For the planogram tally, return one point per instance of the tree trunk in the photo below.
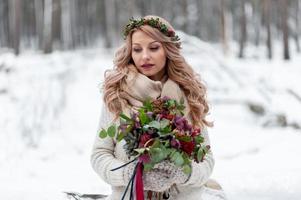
(223, 27)
(4, 24)
(243, 29)
(257, 21)
(285, 29)
(56, 21)
(200, 23)
(14, 24)
(110, 23)
(184, 26)
(39, 16)
(266, 16)
(47, 30)
(297, 26)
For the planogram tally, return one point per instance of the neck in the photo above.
(160, 76)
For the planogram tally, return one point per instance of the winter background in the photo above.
(50, 106)
(54, 101)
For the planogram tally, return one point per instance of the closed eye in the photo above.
(136, 50)
(154, 48)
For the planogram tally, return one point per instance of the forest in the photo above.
(48, 25)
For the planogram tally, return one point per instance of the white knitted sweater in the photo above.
(107, 154)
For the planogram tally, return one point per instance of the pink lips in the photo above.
(147, 66)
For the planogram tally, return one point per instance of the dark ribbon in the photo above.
(135, 180)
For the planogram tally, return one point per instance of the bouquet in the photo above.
(158, 131)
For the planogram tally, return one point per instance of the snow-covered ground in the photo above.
(50, 104)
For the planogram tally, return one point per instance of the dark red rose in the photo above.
(195, 132)
(168, 116)
(187, 147)
(144, 139)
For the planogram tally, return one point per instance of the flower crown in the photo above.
(155, 23)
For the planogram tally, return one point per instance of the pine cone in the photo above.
(158, 106)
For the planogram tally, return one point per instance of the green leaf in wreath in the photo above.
(103, 133)
(112, 130)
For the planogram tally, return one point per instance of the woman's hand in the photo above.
(160, 178)
(175, 173)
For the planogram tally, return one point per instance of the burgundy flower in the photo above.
(144, 139)
(175, 143)
(195, 132)
(168, 116)
(165, 98)
(187, 147)
(171, 33)
(144, 158)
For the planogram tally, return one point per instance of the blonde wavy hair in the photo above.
(178, 70)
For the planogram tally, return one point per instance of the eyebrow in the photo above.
(149, 43)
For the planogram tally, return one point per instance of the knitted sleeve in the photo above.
(201, 171)
(102, 156)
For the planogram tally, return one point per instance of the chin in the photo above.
(147, 73)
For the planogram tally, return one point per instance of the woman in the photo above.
(149, 65)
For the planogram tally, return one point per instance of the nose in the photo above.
(145, 55)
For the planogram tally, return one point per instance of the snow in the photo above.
(50, 105)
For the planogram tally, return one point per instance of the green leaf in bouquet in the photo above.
(186, 158)
(182, 101)
(187, 169)
(126, 118)
(141, 150)
(166, 130)
(177, 158)
(157, 155)
(143, 117)
(120, 136)
(155, 124)
(129, 128)
(103, 133)
(148, 166)
(199, 139)
(207, 148)
(148, 105)
(164, 123)
(185, 138)
(171, 103)
(200, 154)
(156, 144)
(112, 130)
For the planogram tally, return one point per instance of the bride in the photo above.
(149, 65)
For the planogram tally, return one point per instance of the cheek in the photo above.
(162, 57)
(135, 58)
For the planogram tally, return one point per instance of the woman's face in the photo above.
(148, 55)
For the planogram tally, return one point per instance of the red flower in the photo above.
(168, 116)
(187, 147)
(144, 139)
(196, 132)
(171, 33)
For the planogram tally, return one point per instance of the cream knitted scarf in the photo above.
(139, 88)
